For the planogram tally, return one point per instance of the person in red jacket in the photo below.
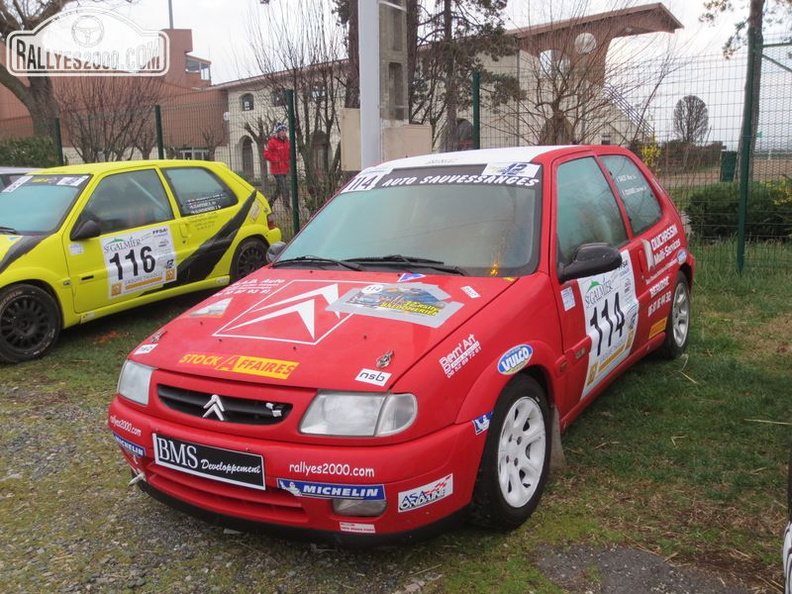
(277, 153)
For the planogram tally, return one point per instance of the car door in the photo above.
(135, 250)
(598, 314)
(657, 237)
(211, 216)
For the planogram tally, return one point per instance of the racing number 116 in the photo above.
(603, 316)
(147, 261)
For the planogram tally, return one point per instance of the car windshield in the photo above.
(463, 218)
(38, 203)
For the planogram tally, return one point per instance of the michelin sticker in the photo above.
(333, 491)
(417, 303)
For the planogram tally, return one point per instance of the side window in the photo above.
(127, 200)
(198, 190)
(641, 204)
(587, 211)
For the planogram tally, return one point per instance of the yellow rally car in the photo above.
(85, 241)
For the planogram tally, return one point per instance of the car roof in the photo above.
(475, 157)
(125, 165)
(4, 169)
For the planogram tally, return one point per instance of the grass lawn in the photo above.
(686, 459)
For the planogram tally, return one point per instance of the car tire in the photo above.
(677, 330)
(30, 323)
(516, 458)
(250, 255)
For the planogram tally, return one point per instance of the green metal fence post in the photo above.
(476, 109)
(747, 145)
(158, 124)
(293, 162)
(58, 142)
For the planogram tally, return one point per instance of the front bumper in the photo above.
(425, 483)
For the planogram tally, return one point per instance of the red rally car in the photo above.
(410, 357)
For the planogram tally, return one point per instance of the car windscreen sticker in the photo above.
(16, 183)
(333, 491)
(417, 303)
(529, 170)
(138, 260)
(219, 464)
(365, 180)
(611, 315)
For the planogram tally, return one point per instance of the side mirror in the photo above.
(85, 230)
(591, 259)
(275, 250)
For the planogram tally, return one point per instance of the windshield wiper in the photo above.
(316, 260)
(8, 230)
(410, 260)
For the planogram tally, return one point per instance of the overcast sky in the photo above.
(219, 28)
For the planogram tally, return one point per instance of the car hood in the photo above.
(311, 328)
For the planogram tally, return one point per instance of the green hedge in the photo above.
(35, 151)
(713, 211)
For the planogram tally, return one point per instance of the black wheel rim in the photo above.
(250, 259)
(24, 323)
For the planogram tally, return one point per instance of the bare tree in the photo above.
(106, 118)
(691, 120)
(584, 81)
(299, 47)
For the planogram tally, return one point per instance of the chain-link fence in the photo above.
(682, 116)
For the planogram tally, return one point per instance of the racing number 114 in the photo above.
(603, 316)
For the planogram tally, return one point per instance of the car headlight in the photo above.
(359, 414)
(134, 382)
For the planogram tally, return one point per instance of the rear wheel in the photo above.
(30, 323)
(677, 329)
(516, 457)
(250, 255)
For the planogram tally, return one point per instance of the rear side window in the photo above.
(587, 209)
(643, 208)
(198, 190)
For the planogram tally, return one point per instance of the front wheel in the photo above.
(250, 255)
(30, 323)
(677, 329)
(516, 458)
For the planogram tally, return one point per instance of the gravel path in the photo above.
(71, 524)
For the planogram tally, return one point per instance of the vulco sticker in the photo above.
(427, 494)
(333, 491)
(515, 359)
(373, 376)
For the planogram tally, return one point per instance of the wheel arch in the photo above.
(47, 288)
